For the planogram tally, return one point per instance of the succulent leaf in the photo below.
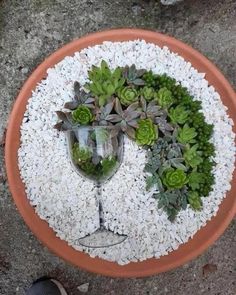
(66, 121)
(118, 107)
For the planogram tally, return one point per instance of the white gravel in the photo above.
(66, 200)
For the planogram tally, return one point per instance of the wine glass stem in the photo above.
(100, 207)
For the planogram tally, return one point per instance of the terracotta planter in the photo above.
(203, 239)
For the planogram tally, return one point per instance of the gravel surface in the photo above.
(32, 29)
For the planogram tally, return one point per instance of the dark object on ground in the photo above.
(46, 286)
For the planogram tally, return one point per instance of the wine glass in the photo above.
(96, 152)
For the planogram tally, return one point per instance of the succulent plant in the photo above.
(192, 156)
(146, 133)
(66, 121)
(150, 109)
(154, 180)
(156, 156)
(163, 125)
(186, 134)
(149, 93)
(150, 78)
(172, 202)
(104, 82)
(133, 76)
(108, 164)
(165, 98)
(174, 178)
(80, 154)
(157, 114)
(195, 179)
(101, 113)
(126, 119)
(163, 155)
(80, 98)
(195, 200)
(127, 95)
(179, 114)
(82, 115)
(89, 168)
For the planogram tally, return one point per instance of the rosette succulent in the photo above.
(127, 95)
(80, 98)
(172, 202)
(178, 115)
(186, 134)
(174, 178)
(82, 115)
(149, 93)
(126, 120)
(192, 156)
(150, 109)
(80, 154)
(156, 113)
(165, 98)
(104, 82)
(195, 180)
(101, 113)
(133, 76)
(146, 133)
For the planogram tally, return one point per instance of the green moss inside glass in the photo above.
(158, 114)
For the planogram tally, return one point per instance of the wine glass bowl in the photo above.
(96, 152)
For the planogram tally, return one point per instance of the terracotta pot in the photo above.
(204, 237)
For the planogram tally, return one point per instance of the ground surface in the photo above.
(32, 29)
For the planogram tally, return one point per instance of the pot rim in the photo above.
(186, 252)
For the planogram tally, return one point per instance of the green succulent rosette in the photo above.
(174, 178)
(127, 95)
(82, 115)
(165, 98)
(186, 134)
(80, 154)
(192, 156)
(178, 115)
(146, 133)
(149, 93)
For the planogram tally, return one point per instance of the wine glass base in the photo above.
(102, 238)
